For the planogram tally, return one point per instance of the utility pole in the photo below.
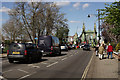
(98, 15)
(99, 26)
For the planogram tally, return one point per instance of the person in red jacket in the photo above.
(110, 50)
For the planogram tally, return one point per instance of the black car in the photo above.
(64, 47)
(49, 45)
(86, 47)
(23, 52)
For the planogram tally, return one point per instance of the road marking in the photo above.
(26, 76)
(2, 78)
(8, 71)
(64, 59)
(30, 64)
(36, 66)
(52, 64)
(71, 55)
(22, 70)
(44, 63)
(86, 69)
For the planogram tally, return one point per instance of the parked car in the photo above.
(82, 45)
(86, 47)
(64, 47)
(49, 45)
(23, 52)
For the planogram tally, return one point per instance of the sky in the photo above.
(75, 12)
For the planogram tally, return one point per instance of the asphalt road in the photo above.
(70, 64)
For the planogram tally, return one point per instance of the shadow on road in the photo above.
(63, 54)
(32, 62)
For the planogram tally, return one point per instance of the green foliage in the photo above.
(62, 34)
(117, 47)
(111, 15)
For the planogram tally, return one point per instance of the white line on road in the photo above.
(71, 55)
(22, 70)
(64, 59)
(26, 76)
(44, 63)
(87, 68)
(52, 64)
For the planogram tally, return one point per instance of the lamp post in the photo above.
(98, 15)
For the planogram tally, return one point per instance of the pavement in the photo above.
(104, 69)
(4, 55)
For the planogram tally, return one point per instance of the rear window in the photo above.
(17, 46)
(45, 41)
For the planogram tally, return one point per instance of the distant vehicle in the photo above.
(49, 45)
(64, 47)
(73, 46)
(69, 47)
(23, 52)
(82, 45)
(86, 47)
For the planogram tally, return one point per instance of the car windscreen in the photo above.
(16, 46)
(44, 41)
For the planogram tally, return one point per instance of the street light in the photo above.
(98, 23)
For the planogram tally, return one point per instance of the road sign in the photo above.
(36, 38)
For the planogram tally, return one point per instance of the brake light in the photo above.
(7, 52)
(25, 52)
(51, 47)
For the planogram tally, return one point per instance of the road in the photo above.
(70, 64)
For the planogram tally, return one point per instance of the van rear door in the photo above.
(45, 43)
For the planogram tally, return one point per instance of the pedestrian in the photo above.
(101, 49)
(110, 50)
(2, 46)
(96, 49)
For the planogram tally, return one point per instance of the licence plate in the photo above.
(16, 53)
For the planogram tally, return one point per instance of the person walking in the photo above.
(2, 46)
(96, 49)
(101, 49)
(110, 50)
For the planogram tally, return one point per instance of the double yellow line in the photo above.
(87, 68)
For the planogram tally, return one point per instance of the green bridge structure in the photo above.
(89, 36)
(86, 36)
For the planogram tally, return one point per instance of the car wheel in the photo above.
(11, 61)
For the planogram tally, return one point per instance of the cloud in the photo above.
(4, 9)
(85, 5)
(74, 21)
(76, 5)
(62, 3)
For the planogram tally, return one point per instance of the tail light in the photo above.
(51, 47)
(50, 52)
(25, 52)
(7, 52)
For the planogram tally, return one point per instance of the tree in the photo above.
(11, 30)
(38, 18)
(62, 34)
(111, 21)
